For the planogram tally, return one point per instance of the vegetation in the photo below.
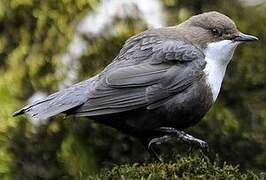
(186, 167)
(34, 35)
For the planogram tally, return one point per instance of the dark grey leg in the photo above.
(157, 141)
(174, 134)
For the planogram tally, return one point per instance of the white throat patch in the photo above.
(217, 56)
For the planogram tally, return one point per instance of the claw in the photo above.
(200, 143)
(204, 146)
(172, 133)
(158, 140)
(152, 150)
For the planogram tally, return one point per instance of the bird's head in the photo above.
(213, 31)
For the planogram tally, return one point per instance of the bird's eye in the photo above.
(216, 31)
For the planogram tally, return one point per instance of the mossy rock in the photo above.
(188, 167)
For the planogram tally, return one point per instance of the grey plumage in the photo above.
(143, 73)
(58, 102)
(157, 85)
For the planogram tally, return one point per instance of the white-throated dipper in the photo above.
(162, 81)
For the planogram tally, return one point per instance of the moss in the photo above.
(187, 167)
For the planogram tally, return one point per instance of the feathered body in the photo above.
(164, 77)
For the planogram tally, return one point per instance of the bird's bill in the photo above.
(241, 37)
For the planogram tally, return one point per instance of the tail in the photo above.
(58, 102)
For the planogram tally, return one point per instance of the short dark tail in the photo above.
(58, 102)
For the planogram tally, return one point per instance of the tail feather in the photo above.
(58, 102)
(28, 107)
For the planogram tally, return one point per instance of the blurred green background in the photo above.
(48, 45)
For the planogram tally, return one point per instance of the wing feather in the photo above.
(148, 71)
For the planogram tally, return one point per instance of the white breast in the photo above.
(217, 56)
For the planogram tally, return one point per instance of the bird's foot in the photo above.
(182, 136)
(192, 140)
(157, 141)
(174, 134)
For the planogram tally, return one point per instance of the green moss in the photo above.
(187, 167)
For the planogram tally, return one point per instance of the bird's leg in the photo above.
(157, 141)
(182, 136)
(172, 133)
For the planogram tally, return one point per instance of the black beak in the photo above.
(245, 37)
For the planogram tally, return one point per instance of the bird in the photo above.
(162, 81)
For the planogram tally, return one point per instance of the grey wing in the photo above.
(154, 71)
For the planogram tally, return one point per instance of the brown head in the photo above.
(217, 36)
(211, 27)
